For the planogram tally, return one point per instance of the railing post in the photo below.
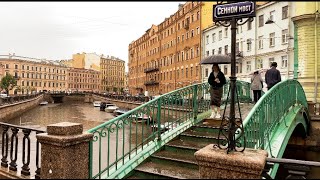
(64, 151)
(195, 101)
(5, 146)
(159, 118)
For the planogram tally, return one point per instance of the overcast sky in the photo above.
(56, 30)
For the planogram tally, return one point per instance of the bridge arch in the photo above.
(272, 121)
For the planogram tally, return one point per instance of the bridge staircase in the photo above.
(175, 160)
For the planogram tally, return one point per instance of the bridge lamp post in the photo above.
(232, 14)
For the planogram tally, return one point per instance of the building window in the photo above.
(225, 69)
(197, 51)
(213, 37)
(16, 66)
(206, 72)
(186, 72)
(272, 15)
(259, 64)
(261, 20)
(7, 66)
(220, 50)
(226, 32)
(220, 35)
(249, 25)
(285, 12)
(284, 60)
(197, 70)
(284, 36)
(191, 71)
(271, 60)
(198, 15)
(260, 38)
(192, 33)
(178, 39)
(191, 52)
(272, 39)
(249, 45)
(226, 49)
(248, 66)
(198, 30)
(237, 47)
(207, 53)
(213, 51)
(207, 39)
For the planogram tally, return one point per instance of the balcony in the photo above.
(151, 82)
(151, 69)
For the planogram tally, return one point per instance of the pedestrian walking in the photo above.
(272, 76)
(216, 80)
(256, 85)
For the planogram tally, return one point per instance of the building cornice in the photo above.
(304, 16)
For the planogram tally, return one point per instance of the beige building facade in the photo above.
(35, 75)
(86, 61)
(167, 56)
(83, 80)
(112, 74)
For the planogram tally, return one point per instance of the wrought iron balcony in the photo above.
(151, 82)
(151, 69)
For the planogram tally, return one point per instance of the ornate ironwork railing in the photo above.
(28, 150)
(131, 135)
(265, 115)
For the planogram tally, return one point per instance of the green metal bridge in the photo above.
(159, 138)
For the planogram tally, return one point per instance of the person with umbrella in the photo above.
(216, 80)
(256, 85)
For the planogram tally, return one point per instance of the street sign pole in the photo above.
(231, 14)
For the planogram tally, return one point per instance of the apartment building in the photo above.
(306, 21)
(86, 61)
(269, 38)
(112, 74)
(34, 75)
(126, 83)
(1, 71)
(167, 56)
(83, 80)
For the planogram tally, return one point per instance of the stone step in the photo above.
(186, 145)
(155, 168)
(178, 156)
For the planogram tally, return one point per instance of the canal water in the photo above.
(72, 111)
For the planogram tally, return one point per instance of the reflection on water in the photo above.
(76, 111)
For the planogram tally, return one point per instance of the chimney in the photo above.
(180, 6)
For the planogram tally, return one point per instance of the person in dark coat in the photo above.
(216, 80)
(272, 76)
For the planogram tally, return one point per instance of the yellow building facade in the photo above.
(307, 43)
(112, 74)
(34, 75)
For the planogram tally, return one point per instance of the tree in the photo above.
(8, 82)
(115, 89)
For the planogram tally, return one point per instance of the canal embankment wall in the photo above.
(13, 110)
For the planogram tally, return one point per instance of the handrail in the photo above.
(123, 138)
(27, 154)
(269, 110)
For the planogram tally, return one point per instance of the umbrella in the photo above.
(218, 59)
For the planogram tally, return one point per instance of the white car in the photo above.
(4, 96)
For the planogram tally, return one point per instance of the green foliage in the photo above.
(8, 82)
(121, 90)
(115, 89)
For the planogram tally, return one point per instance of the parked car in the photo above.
(4, 96)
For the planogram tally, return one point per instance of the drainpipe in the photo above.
(296, 62)
(288, 48)
(316, 54)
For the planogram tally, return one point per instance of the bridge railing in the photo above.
(17, 98)
(269, 110)
(129, 135)
(20, 150)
